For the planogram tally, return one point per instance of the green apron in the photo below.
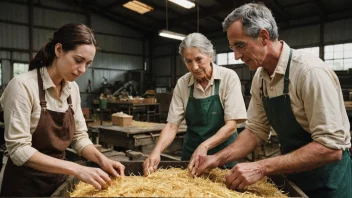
(204, 117)
(331, 180)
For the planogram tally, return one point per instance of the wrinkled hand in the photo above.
(244, 174)
(151, 163)
(94, 176)
(112, 167)
(194, 162)
(205, 162)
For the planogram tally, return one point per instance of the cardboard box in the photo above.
(121, 119)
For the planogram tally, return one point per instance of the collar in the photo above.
(215, 75)
(281, 64)
(48, 83)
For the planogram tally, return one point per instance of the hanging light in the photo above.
(172, 35)
(169, 34)
(183, 3)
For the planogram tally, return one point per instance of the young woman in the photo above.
(43, 116)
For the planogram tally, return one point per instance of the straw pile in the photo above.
(142, 124)
(175, 182)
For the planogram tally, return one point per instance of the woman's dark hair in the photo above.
(69, 36)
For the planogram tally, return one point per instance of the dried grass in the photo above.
(176, 182)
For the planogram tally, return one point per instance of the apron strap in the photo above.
(217, 85)
(286, 80)
(41, 90)
(191, 91)
(287, 73)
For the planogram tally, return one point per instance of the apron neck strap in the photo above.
(41, 90)
(287, 73)
(217, 85)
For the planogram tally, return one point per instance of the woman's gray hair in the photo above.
(254, 16)
(199, 41)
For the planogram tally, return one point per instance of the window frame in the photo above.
(13, 66)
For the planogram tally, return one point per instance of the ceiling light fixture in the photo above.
(168, 34)
(173, 35)
(183, 3)
(138, 6)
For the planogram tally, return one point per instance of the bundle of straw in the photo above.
(176, 182)
(142, 124)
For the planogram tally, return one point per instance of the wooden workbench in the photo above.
(133, 137)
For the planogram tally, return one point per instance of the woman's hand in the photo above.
(151, 163)
(112, 167)
(194, 162)
(94, 176)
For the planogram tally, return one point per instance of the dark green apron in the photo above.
(331, 180)
(204, 117)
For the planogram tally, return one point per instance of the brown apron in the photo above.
(52, 136)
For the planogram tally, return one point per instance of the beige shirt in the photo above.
(20, 102)
(229, 91)
(316, 99)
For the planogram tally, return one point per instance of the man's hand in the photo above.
(194, 162)
(151, 163)
(244, 174)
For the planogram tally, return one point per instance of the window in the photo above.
(338, 57)
(19, 68)
(227, 59)
(313, 50)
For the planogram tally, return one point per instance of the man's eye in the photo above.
(239, 45)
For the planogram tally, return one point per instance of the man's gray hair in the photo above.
(199, 41)
(254, 16)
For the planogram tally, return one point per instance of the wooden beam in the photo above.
(114, 4)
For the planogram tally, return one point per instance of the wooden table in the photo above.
(129, 107)
(133, 137)
(348, 105)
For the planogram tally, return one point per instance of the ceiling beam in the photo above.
(114, 4)
(226, 6)
(121, 20)
(323, 9)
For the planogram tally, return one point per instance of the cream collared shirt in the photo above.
(20, 102)
(316, 99)
(229, 91)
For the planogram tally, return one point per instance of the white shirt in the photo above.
(229, 92)
(20, 102)
(316, 99)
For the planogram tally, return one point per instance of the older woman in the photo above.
(209, 98)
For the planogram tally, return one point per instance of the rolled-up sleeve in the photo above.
(17, 107)
(257, 121)
(176, 110)
(234, 107)
(80, 138)
(321, 95)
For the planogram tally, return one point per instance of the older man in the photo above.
(300, 97)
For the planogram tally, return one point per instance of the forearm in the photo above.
(92, 154)
(245, 143)
(167, 135)
(45, 163)
(223, 134)
(306, 158)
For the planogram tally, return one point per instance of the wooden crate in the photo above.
(136, 168)
(125, 120)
